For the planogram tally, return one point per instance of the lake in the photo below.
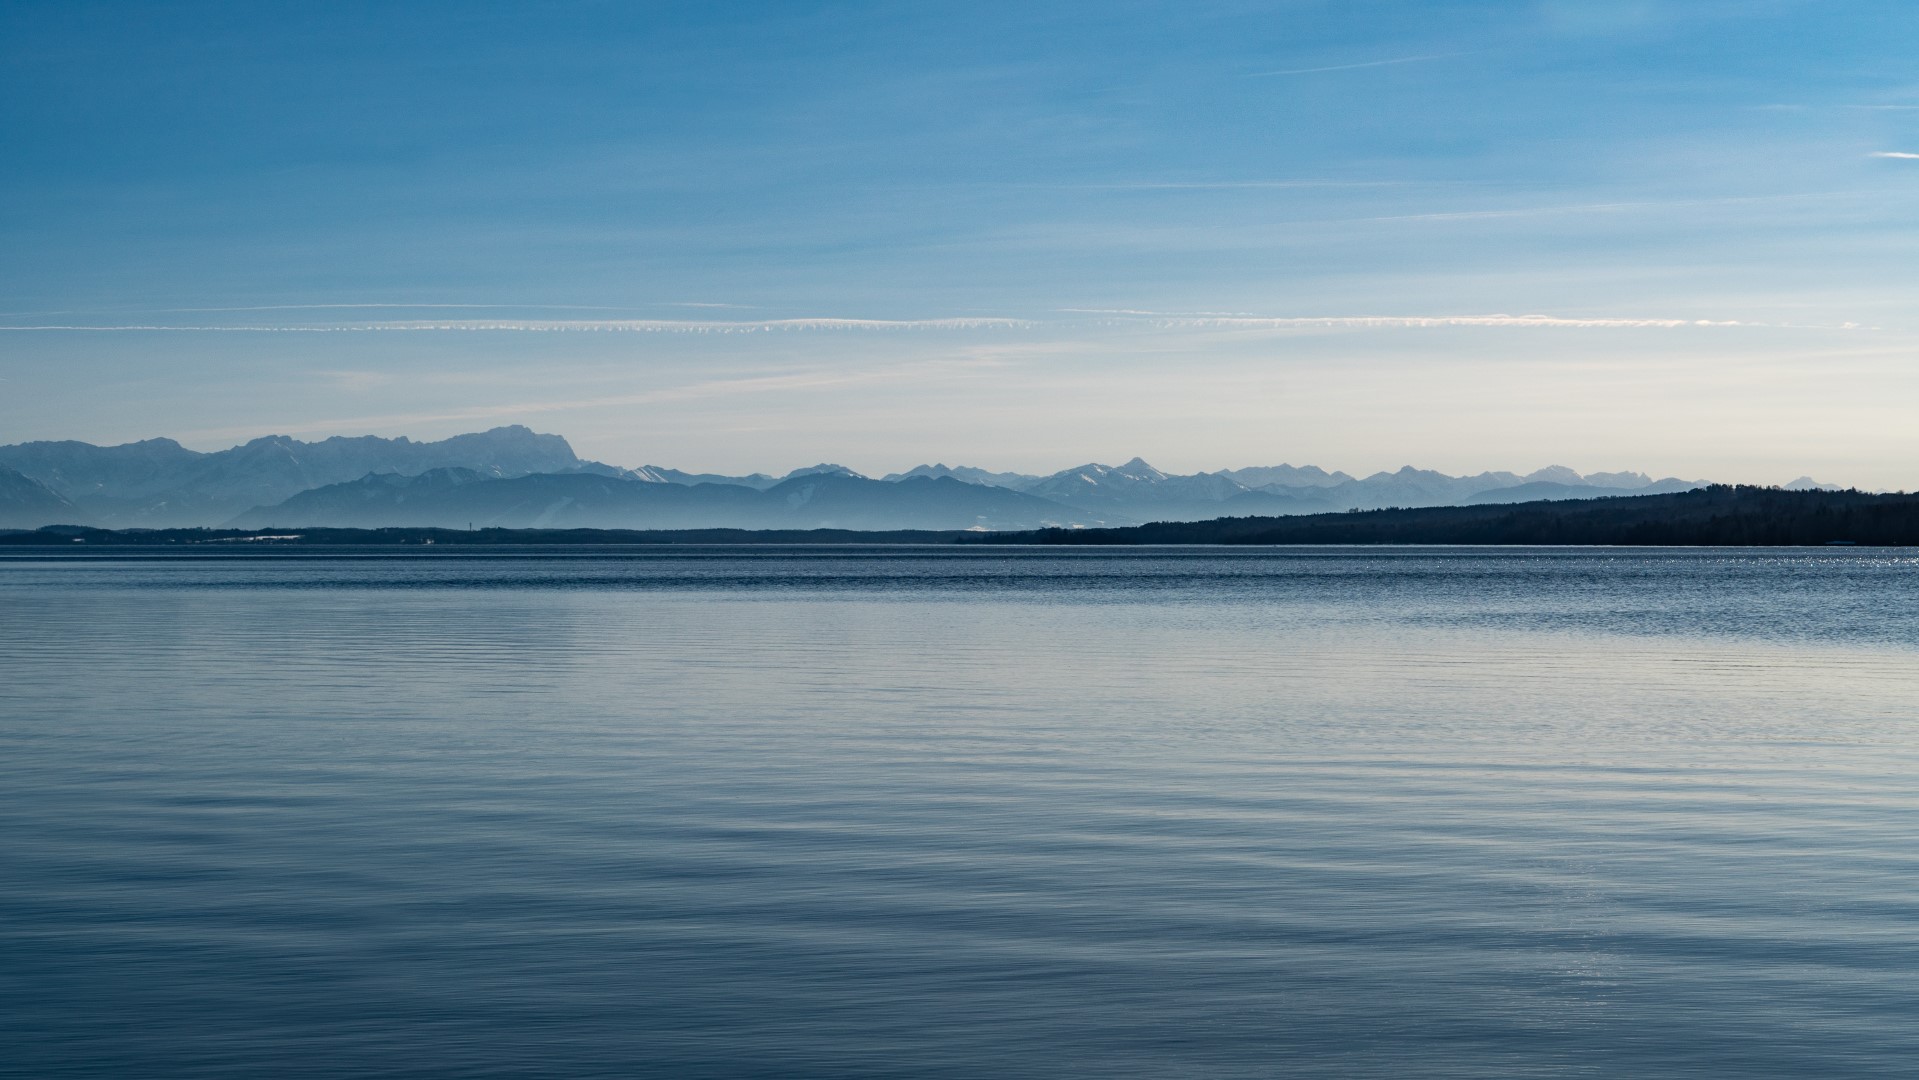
(946, 812)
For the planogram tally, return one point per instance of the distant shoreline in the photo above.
(1717, 516)
(1709, 517)
(73, 536)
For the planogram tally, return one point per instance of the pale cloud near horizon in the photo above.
(1607, 207)
(1113, 316)
(371, 306)
(668, 326)
(1497, 321)
(1355, 67)
(1226, 185)
(1035, 406)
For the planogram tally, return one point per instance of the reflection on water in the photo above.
(1327, 812)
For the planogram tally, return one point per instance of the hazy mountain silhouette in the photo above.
(1807, 483)
(455, 498)
(1276, 499)
(1016, 481)
(1140, 492)
(1410, 487)
(1546, 489)
(1290, 476)
(1137, 490)
(159, 483)
(1616, 479)
(26, 503)
(756, 481)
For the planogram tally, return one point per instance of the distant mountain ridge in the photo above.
(1141, 492)
(757, 481)
(461, 498)
(26, 503)
(968, 474)
(158, 483)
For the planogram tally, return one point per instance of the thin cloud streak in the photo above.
(1500, 321)
(1598, 208)
(1354, 67)
(1144, 311)
(391, 305)
(1221, 185)
(1115, 317)
(1900, 154)
(709, 326)
(371, 306)
(658, 326)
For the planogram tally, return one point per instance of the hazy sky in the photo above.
(1677, 237)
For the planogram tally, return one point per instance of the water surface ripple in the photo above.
(937, 812)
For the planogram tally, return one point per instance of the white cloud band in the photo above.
(656, 326)
(1109, 317)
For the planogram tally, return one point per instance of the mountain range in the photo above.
(458, 498)
(26, 503)
(515, 477)
(158, 483)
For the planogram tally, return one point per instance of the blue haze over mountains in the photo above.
(513, 477)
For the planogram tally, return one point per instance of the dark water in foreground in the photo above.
(961, 813)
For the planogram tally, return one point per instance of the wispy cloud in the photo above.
(388, 305)
(1603, 208)
(1786, 106)
(710, 326)
(1145, 311)
(1222, 185)
(377, 305)
(1430, 321)
(1354, 67)
(1104, 316)
(657, 326)
(1900, 154)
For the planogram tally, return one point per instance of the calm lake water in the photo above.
(935, 812)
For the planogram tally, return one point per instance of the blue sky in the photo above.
(1664, 236)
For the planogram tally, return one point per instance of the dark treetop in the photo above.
(1716, 516)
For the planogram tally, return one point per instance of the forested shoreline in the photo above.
(1719, 516)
